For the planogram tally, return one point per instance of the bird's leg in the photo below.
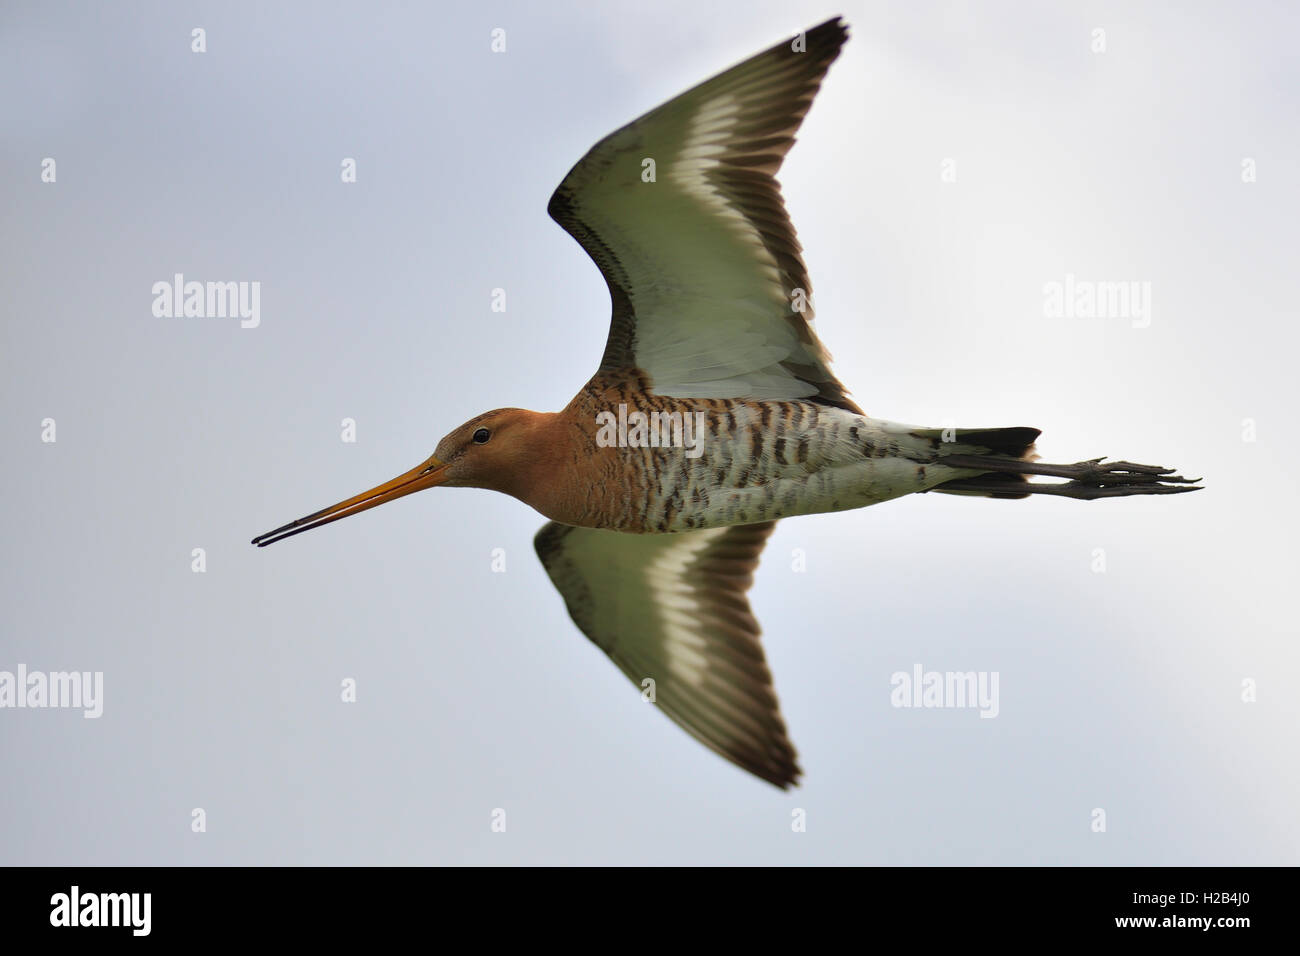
(1087, 479)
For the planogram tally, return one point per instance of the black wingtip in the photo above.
(829, 33)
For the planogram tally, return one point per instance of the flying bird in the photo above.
(714, 411)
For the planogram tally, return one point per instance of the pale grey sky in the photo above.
(1119, 690)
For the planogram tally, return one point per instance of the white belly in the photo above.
(806, 459)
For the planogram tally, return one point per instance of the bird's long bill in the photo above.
(427, 475)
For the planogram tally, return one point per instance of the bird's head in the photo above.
(496, 450)
(507, 450)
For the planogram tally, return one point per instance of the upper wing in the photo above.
(711, 296)
(672, 608)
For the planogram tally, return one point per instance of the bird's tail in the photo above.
(1007, 445)
(1003, 459)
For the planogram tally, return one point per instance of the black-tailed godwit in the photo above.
(714, 411)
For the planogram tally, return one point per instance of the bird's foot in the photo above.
(1094, 478)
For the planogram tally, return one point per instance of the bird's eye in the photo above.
(481, 436)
